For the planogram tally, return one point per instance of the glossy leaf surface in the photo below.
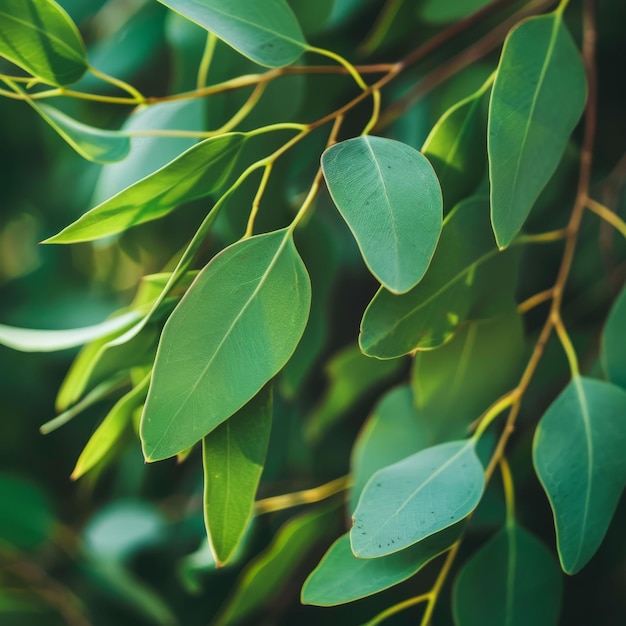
(39, 36)
(513, 580)
(417, 497)
(233, 458)
(426, 316)
(537, 99)
(389, 195)
(234, 329)
(340, 577)
(578, 453)
(613, 347)
(267, 32)
(196, 173)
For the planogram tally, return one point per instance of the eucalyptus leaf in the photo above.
(233, 457)
(235, 328)
(417, 497)
(30, 340)
(513, 580)
(390, 197)
(40, 37)
(537, 99)
(267, 32)
(110, 430)
(340, 577)
(196, 173)
(427, 316)
(578, 453)
(613, 346)
(438, 12)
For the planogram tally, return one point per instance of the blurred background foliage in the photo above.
(126, 544)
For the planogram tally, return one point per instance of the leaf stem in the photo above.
(257, 200)
(307, 496)
(607, 215)
(381, 26)
(547, 237)
(491, 414)
(375, 112)
(534, 301)
(123, 85)
(509, 489)
(396, 608)
(566, 342)
(351, 69)
(205, 61)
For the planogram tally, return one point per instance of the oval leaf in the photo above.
(234, 329)
(389, 195)
(417, 497)
(233, 457)
(340, 577)
(196, 173)
(40, 37)
(513, 580)
(537, 99)
(266, 32)
(613, 351)
(578, 453)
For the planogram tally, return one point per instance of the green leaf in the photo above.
(437, 12)
(26, 517)
(196, 173)
(578, 453)
(352, 376)
(389, 195)
(268, 573)
(340, 577)
(267, 32)
(417, 497)
(427, 316)
(394, 431)
(111, 429)
(456, 147)
(613, 347)
(233, 457)
(234, 329)
(148, 153)
(40, 37)
(537, 99)
(29, 340)
(454, 384)
(513, 580)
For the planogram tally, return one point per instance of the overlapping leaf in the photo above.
(537, 99)
(614, 342)
(578, 453)
(389, 195)
(234, 329)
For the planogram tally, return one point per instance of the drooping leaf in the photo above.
(267, 32)
(389, 195)
(417, 497)
(149, 153)
(234, 329)
(394, 431)
(454, 384)
(427, 316)
(340, 577)
(456, 148)
(233, 457)
(613, 349)
(30, 340)
(513, 580)
(537, 99)
(578, 453)
(196, 173)
(351, 377)
(40, 37)
(264, 576)
(111, 429)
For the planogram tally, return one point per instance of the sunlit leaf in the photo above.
(196, 173)
(513, 580)
(234, 329)
(417, 497)
(578, 453)
(537, 99)
(233, 457)
(39, 36)
(389, 195)
(267, 32)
